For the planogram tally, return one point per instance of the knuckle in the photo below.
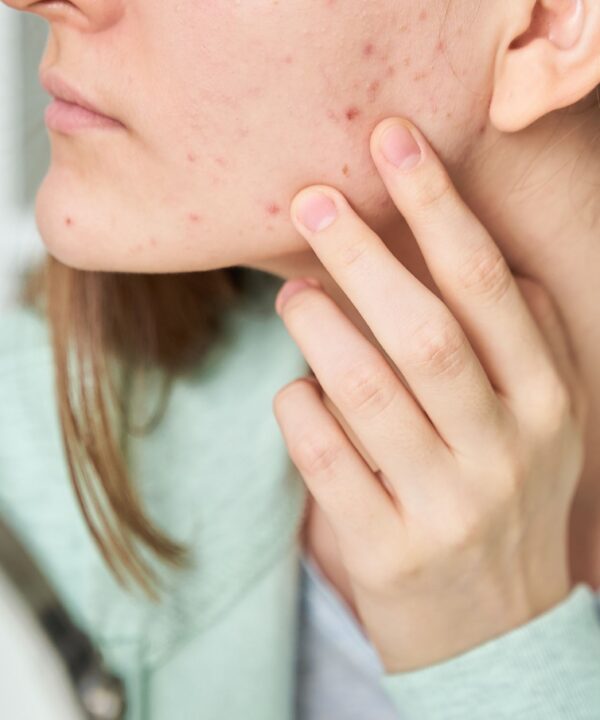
(433, 190)
(438, 348)
(555, 408)
(468, 532)
(316, 455)
(485, 273)
(353, 252)
(365, 388)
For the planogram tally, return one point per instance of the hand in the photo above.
(472, 411)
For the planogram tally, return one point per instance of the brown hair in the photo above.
(107, 331)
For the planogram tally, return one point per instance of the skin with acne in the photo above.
(281, 95)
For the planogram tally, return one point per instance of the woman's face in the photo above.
(230, 107)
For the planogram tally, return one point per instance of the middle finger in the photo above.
(413, 326)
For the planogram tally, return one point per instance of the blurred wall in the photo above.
(24, 146)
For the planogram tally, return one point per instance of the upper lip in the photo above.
(58, 87)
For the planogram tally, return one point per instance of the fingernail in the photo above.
(291, 287)
(316, 211)
(400, 148)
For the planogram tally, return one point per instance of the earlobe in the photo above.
(552, 64)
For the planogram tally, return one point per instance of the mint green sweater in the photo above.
(215, 474)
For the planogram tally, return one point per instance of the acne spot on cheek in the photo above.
(273, 209)
(368, 49)
(441, 46)
(423, 15)
(191, 157)
(68, 221)
(346, 170)
(288, 59)
(194, 217)
(152, 242)
(352, 112)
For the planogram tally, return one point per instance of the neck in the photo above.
(538, 194)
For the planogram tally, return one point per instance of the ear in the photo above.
(549, 58)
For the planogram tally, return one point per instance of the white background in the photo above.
(24, 146)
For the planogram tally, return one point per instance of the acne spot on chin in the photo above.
(273, 209)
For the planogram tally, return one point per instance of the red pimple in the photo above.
(273, 209)
(423, 15)
(191, 157)
(194, 217)
(368, 49)
(352, 112)
(441, 46)
(68, 221)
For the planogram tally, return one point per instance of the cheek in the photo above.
(261, 100)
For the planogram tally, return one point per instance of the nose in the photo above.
(86, 15)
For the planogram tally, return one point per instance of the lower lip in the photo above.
(67, 117)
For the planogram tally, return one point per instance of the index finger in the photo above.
(464, 261)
